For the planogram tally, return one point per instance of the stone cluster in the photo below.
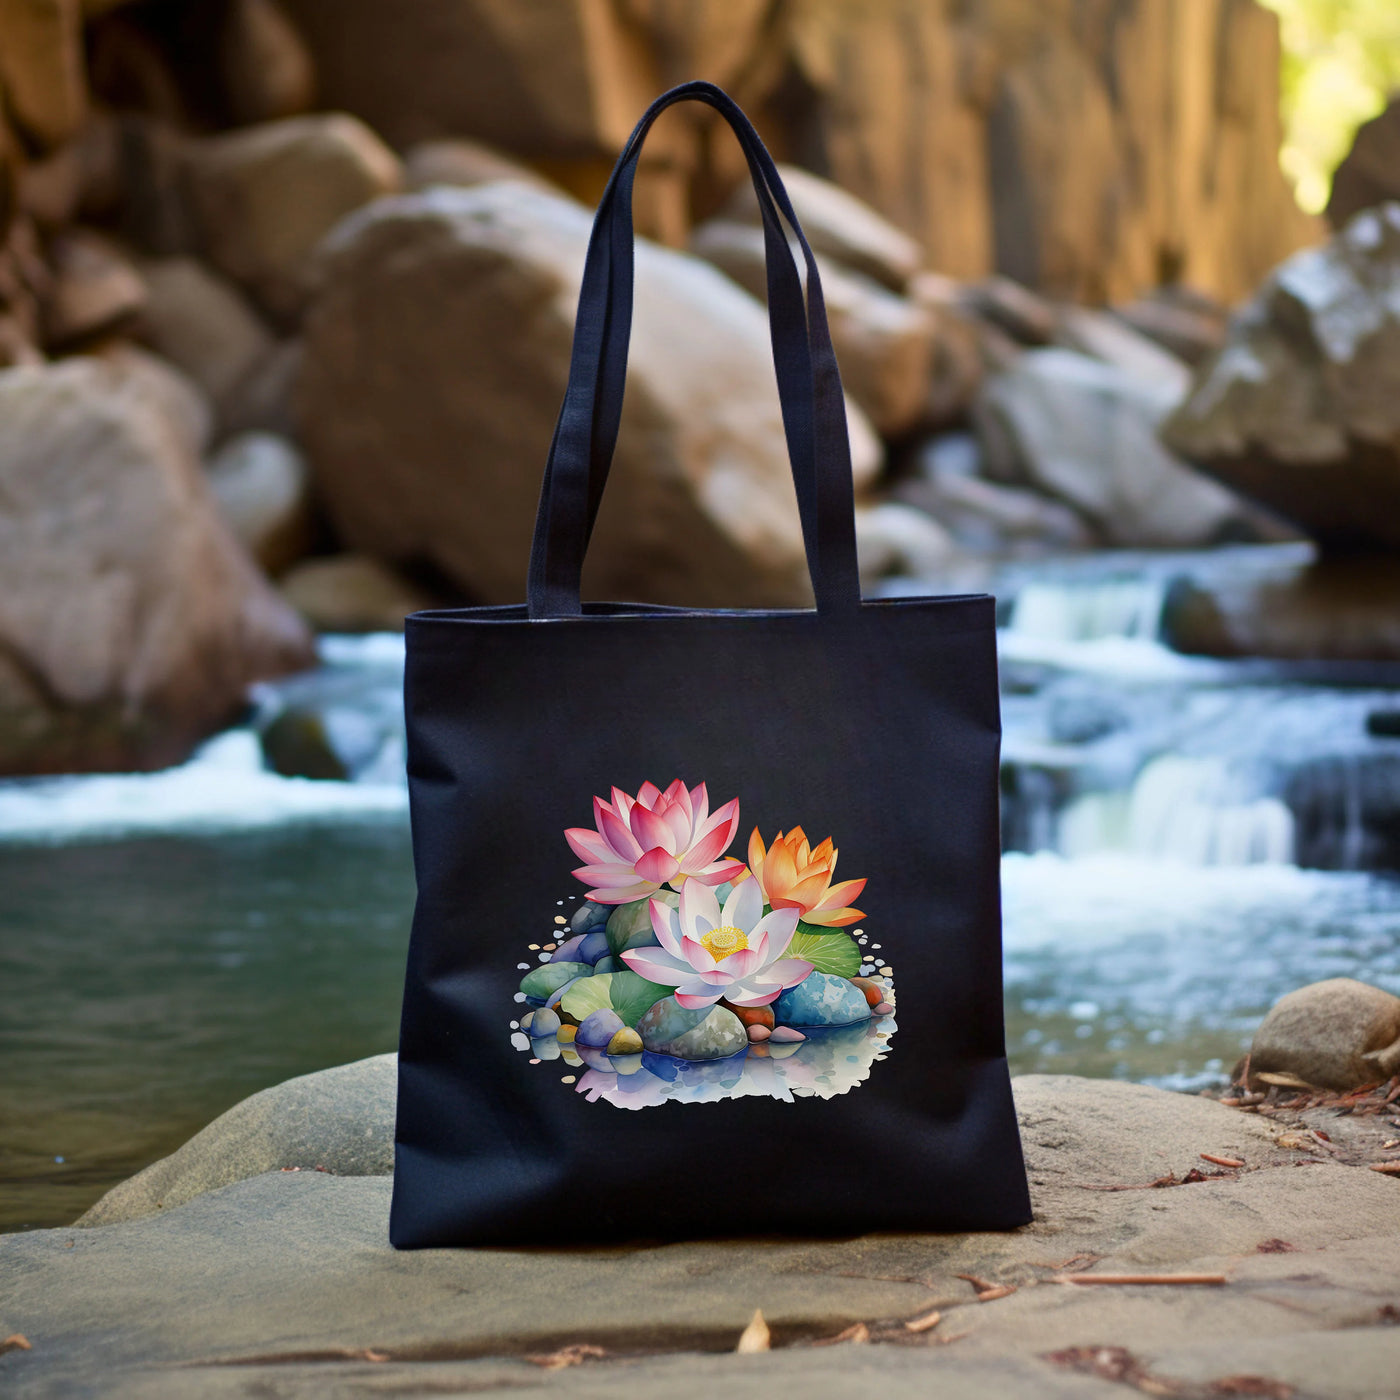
(287, 296)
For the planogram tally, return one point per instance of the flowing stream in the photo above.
(1185, 841)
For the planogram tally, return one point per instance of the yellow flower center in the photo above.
(722, 941)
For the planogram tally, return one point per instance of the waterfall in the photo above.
(1194, 810)
(1087, 611)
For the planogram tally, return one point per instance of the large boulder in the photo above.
(437, 355)
(338, 1120)
(838, 224)
(264, 65)
(884, 342)
(203, 324)
(1346, 808)
(564, 80)
(263, 488)
(1301, 408)
(1370, 173)
(1085, 432)
(1108, 338)
(1092, 157)
(1301, 610)
(264, 196)
(895, 538)
(131, 622)
(94, 289)
(1191, 326)
(459, 161)
(1084, 157)
(42, 72)
(1337, 1034)
(351, 593)
(983, 515)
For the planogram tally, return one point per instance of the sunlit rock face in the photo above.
(131, 619)
(446, 318)
(1301, 408)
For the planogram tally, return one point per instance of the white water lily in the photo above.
(707, 952)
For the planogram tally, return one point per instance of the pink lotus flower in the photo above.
(653, 839)
(706, 954)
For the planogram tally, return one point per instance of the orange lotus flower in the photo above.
(794, 876)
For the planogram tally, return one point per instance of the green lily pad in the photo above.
(628, 993)
(828, 950)
(543, 981)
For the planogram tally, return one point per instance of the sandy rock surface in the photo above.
(283, 1284)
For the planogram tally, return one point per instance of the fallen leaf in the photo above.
(1274, 1247)
(1111, 1364)
(925, 1321)
(16, 1341)
(573, 1355)
(1283, 1081)
(1252, 1385)
(1221, 1161)
(1084, 1259)
(1390, 1168)
(756, 1336)
(1168, 1180)
(987, 1292)
(857, 1332)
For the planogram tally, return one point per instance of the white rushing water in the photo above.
(225, 785)
(1114, 743)
(1158, 809)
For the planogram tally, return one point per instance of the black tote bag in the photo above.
(640, 1002)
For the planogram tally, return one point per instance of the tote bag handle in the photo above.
(809, 386)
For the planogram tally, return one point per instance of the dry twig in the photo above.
(1209, 1280)
(1221, 1161)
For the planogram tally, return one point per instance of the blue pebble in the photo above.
(593, 947)
(599, 1027)
(821, 1000)
(544, 1022)
(588, 916)
(568, 951)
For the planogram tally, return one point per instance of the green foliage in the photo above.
(828, 950)
(543, 981)
(1341, 60)
(629, 925)
(628, 993)
(633, 995)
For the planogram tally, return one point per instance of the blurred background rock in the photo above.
(351, 235)
(286, 302)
